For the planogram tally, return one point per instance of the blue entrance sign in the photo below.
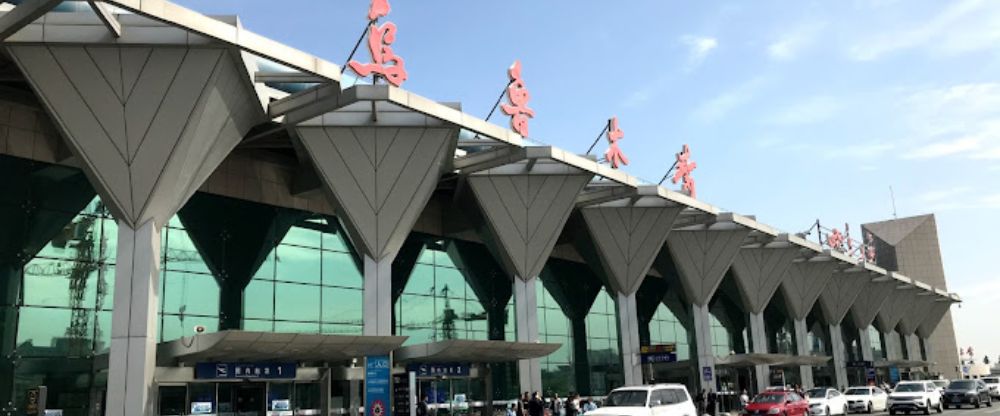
(440, 369)
(664, 357)
(378, 385)
(661, 353)
(870, 373)
(706, 373)
(224, 371)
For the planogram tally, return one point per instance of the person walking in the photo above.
(522, 405)
(744, 399)
(710, 404)
(573, 405)
(422, 406)
(556, 407)
(699, 401)
(535, 405)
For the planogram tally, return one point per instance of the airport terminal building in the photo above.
(195, 219)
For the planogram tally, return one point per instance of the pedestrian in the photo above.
(699, 401)
(522, 405)
(744, 399)
(573, 405)
(711, 403)
(588, 406)
(422, 406)
(536, 407)
(556, 407)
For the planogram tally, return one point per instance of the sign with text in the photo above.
(658, 353)
(224, 371)
(860, 364)
(706, 373)
(378, 385)
(401, 394)
(440, 369)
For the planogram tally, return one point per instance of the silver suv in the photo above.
(913, 396)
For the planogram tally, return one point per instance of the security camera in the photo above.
(199, 329)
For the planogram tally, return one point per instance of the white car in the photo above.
(826, 401)
(941, 384)
(655, 400)
(915, 396)
(866, 399)
(993, 383)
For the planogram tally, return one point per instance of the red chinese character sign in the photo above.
(614, 154)
(385, 62)
(683, 173)
(518, 96)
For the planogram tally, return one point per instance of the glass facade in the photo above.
(554, 327)
(601, 345)
(877, 345)
(309, 283)
(438, 303)
(189, 293)
(664, 328)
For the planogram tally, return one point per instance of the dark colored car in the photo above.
(781, 403)
(967, 392)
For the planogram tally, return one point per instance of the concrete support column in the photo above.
(759, 340)
(913, 347)
(704, 357)
(802, 349)
(892, 348)
(866, 345)
(526, 309)
(628, 336)
(839, 355)
(325, 384)
(378, 296)
(133, 328)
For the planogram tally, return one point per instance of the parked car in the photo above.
(782, 403)
(826, 401)
(994, 385)
(941, 384)
(970, 392)
(866, 399)
(655, 400)
(913, 396)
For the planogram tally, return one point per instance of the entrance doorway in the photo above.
(243, 399)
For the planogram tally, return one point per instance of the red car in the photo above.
(781, 403)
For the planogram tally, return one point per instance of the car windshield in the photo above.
(769, 398)
(962, 385)
(858, 392)
(909, 388)
(991, 380)
(621, 398)
(816, 393)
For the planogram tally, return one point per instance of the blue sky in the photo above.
(794, 110)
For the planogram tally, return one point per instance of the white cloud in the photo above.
(790, 44)
(960, 120)
(812, 110)
(870, 150)
(698, 49)
(718, 107)
(941, 149)
(963, 26)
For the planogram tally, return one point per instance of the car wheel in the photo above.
(827, 411)
(892, 412)
(977, 404)
(927, 410)
(870, 409)
(940, 407)
(844, 412)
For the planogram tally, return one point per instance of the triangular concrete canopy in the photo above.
(892, 310)
(916, 310)
(628, 238)
(840, 294)
(935, 314)
(149, 123)
(870, 301)
(702, 258)
(759, 272)
(525, 213)
(803, 283)
(379, 178)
